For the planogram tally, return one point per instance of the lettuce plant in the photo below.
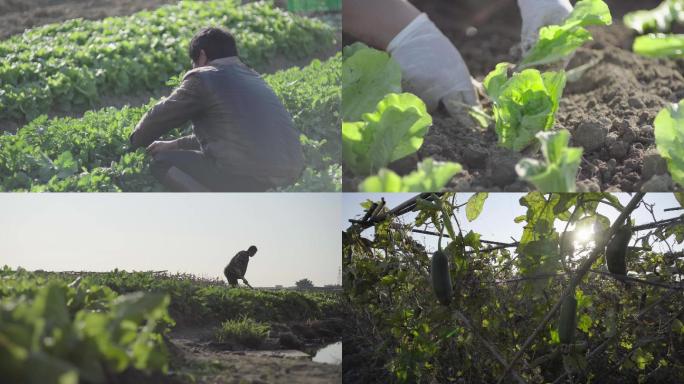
(557, 42)
(430, 176)
(367, 76)
(669, 137)
(659, 19)
(659, 45)
(558, 171)
(380, 124)
(524, 104)
(394, 130)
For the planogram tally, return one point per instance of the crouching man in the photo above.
(243, 137)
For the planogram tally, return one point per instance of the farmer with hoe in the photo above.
(243, 137)
(236, 269)
(432, 68)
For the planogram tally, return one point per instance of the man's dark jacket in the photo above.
(238, 121)
(238, 265)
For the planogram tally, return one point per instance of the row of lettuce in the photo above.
(381, 124)
(92, 153)
(71, 65)
(55, 328)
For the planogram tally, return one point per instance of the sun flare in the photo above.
(584, 235)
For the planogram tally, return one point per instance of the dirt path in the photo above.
(207, 364)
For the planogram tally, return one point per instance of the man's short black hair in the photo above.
(215, 42)
(252, 249)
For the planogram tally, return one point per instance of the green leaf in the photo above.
(679, 196)
(660, 45)
(557, 42)
(559, 170)
(367, 76)
(524, 104)
(678, 326)
(495, 81)
(658, 19)
(669, 138)
(65, 165)
(395, 130)
(139, 305)
(642, 358)
(584, 323)
(475, 204)
(429, 177)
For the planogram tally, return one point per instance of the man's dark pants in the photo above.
(205, 171)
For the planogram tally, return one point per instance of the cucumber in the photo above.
(616, 251)
(441, 280)
(566, 321)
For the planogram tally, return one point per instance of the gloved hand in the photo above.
(537, 14)
(432, 68)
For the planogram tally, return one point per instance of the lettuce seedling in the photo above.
(557, 42)
(659, 19)
(367, 76)
(669, 138)
(393, 131)
(430, 176)
(559, 170)
(659, 45)
(524, 104)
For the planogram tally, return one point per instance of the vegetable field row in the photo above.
(74, 63)
(92, 153)
(111, 327)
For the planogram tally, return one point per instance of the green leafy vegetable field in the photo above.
(91, 153)
(68, 328)
(70, 65)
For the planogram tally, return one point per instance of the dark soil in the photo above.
(609, 111)
(280, 359)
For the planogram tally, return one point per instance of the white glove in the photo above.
(540, 13)
(432, 68)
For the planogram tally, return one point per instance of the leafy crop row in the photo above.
(197, 301)
(57, 328)
(91, 153)
(75, 62)
(51, 332)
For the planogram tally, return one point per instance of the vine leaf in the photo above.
(475, 204)
(678, 326)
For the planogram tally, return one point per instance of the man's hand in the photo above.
(160, 146)
(431, 66)
(537, 14)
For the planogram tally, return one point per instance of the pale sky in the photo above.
(297, 234)
(496, 220)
